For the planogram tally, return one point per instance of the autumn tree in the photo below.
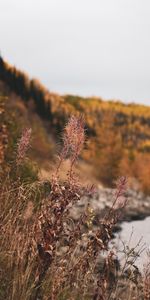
(109, 150)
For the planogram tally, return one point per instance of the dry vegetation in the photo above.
(44, 252)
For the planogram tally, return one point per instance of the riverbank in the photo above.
(137, 208)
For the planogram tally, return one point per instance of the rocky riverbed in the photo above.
(135, 219)
(137, 208)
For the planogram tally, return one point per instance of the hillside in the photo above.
(118, 135)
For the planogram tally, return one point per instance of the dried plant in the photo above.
(55, 225)
(49, 254)
(23, 145)
(146, 278)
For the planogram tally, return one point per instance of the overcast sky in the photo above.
(85, 47)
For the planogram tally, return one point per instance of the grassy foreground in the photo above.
(45, 253)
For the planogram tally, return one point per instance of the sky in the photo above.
(83, 47)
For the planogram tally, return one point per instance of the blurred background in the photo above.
(63, 58)
(83, 47)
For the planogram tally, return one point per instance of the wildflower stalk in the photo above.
(23, 145)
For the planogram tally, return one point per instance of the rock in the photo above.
(138, 205)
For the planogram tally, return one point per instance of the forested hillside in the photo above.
(118, 134)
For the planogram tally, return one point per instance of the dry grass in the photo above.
(46, 254)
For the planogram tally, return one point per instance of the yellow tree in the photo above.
(109, 149)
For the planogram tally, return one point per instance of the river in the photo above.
(131, 234)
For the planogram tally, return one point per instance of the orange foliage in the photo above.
(118, 134)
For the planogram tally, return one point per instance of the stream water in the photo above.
(135, 234)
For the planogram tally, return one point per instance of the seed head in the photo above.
(23, 145)
(74, 135)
